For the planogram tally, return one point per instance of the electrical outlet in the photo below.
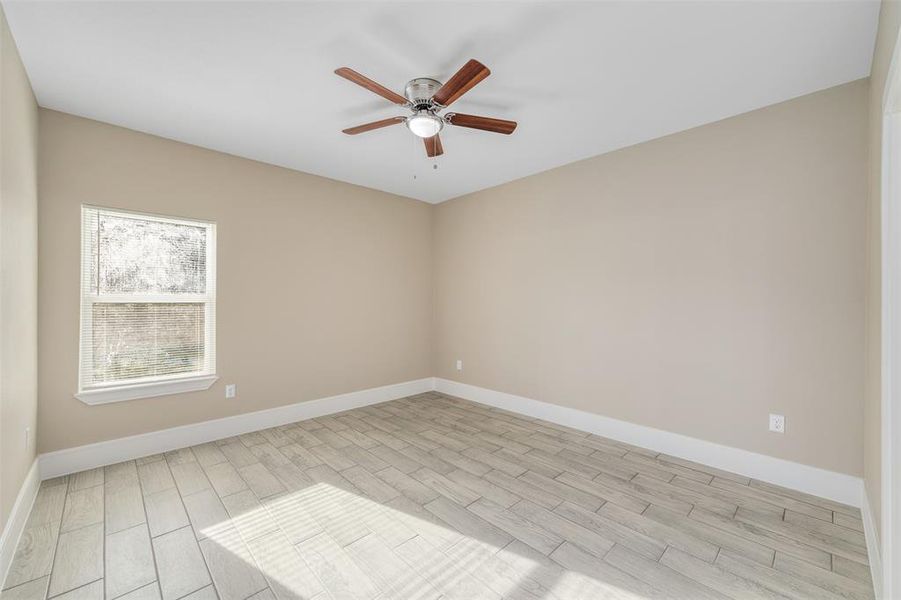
(231, 390)
(777, 423)
(459, 365)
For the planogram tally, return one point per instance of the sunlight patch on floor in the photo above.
(323, 535)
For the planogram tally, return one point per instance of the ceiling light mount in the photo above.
(419, 92)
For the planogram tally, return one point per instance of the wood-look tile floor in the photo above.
(430, 497)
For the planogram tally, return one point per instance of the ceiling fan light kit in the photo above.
(425, 124)
(426, 98)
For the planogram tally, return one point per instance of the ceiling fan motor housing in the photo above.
(419, 92)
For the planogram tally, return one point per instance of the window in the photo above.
(148, 305)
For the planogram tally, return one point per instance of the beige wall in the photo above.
(693, 283)
(889, 22)
(323, 287)
(18, 271)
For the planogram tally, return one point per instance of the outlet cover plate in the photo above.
(777, 423)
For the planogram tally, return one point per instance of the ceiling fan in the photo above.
(426, 98)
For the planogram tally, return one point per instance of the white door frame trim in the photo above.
(18, 517)
(888, 583)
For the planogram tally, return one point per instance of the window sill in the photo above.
(121, 393)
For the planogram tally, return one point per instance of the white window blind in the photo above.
(148, 299)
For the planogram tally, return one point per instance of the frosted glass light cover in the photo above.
(424, 126)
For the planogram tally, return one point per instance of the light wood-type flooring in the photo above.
(430, 497)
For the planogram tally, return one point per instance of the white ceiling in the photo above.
(256, 79)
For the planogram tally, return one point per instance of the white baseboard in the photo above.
(812, 480)
(9, 539)
(820, 482)
(72, 460)
(874, 550)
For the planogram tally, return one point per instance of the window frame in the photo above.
(152, 386)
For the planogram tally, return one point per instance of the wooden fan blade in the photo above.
(373, 125)
(463, 80)
(363, 81)
(483, 123)
(433, 146)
